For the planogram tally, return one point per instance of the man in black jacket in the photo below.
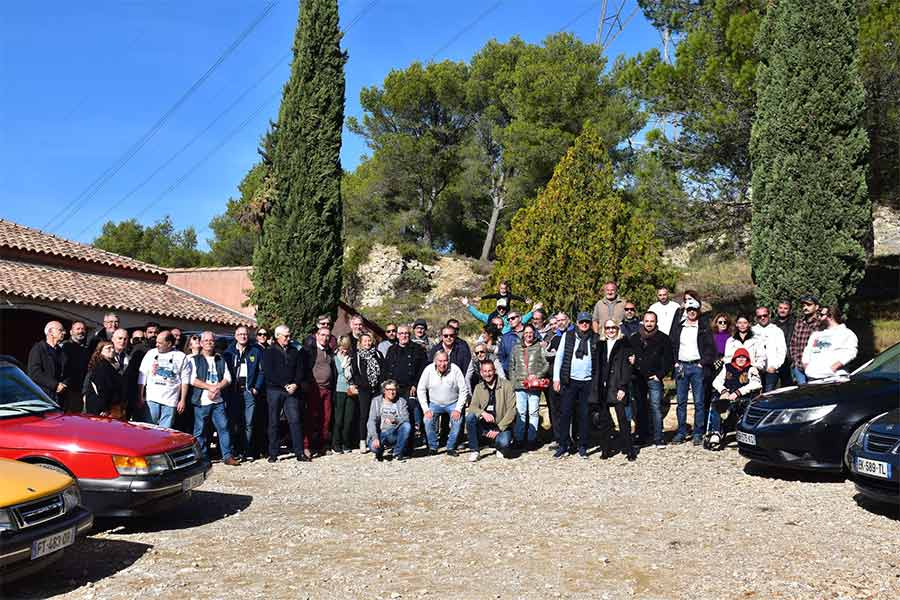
(573, 371)
(694, 351)
(283, 370)
(784, 318)
(76, 350)
(456, 349)
(47, 362)
(404, 363)
(652, 362)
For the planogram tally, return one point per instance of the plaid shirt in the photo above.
(802, 330)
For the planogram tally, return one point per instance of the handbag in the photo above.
(533, 382)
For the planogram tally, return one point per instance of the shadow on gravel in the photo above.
(203, 508)
(757, 470)
(878, 508)
(88, 561)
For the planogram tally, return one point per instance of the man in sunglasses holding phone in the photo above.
(455, 348)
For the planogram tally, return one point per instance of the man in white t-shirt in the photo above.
(209, 375)
(664, 309)
(161, 381)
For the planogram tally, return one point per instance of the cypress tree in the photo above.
(580, 232)
(811, 210)
(297, 263)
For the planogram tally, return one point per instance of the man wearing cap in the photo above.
(803, 328)
(572, 377)
(694, 352)
(420, 334)
(611, 306)
(776, 348)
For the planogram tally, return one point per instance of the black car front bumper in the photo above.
(136, 495)
(15, 546)
(816, 446)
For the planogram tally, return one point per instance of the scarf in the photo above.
(583, 341)
(373, 369)
(645, 335)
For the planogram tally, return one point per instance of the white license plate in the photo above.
(873, 468)
(746, 438)
(52, 543)
(192, 482)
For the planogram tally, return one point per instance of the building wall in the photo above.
(225, 286)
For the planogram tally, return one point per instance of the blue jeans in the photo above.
(241, 408)
(160, 414)
(527, 406)
(655, 399)
(395, 438)
(431, 431)
(476, 428)
(769, 381)
(690, 375)
(799, 376)
(202, 415)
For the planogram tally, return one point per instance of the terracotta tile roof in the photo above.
(55, 284)
(17, 236)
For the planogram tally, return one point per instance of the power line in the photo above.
(359, 15)
(460, 33)
(72, 208)
(579, 16)
(184, 148)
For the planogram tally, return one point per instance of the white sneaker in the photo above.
(474, 456)
(659, 446)
(363, 448)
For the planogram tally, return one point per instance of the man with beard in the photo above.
(784, 319)
(652, 362)
(830, 348)
(77, 357)
(803, 328)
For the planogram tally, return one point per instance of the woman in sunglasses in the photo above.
(721, 332)
(262, 338)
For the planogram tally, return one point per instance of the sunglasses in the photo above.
(514, 317)
(262, 334)
(195, 337)
(480, 352)
(390, 389)
(449, 335)
(610, 328)
(721, 322)
(765, 316)
(630, 309)
(390, 331)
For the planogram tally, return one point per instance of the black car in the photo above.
(807, 427)
(873, 458)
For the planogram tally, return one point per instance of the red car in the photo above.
(123, 469)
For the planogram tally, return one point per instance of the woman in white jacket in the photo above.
(744, 338)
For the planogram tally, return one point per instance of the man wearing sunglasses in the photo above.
(322, 322)
(776, 348)
(830, 348)
(390, 338)
(455, 348)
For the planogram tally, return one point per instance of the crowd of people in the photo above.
(338, 395)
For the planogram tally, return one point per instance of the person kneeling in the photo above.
(388, 424)
(491, 413)
(736, 383)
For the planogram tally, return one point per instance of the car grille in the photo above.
(183, 457)
(876, 442)
(39, 511)
(754, 415)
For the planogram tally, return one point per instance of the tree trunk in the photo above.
(492, 228)
(498, 198)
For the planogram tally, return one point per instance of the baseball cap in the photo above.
(502, 302)
(809, 299)
(584, 316)
(691, 303)
(420, 323)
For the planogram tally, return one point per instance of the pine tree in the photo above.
(297, 264)
(578, 233)
(811, 210)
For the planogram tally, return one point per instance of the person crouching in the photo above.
(491, 413)
(388, 425)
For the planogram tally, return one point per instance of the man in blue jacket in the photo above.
(244, 360)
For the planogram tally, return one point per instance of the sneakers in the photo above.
(272, 459)
(714, 441)
(697, 441)
(560, 453)
(582, 453)
(402, 458)
(452, 452)
(474, 456)
(678, 439)
(659, 446)
(363, 448)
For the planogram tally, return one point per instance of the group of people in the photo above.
(342, 394)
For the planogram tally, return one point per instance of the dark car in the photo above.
(873, 458)
(807, 427)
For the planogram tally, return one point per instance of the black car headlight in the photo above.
(793, 416)
(855, 442)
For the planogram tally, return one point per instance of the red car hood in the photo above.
(85, 433)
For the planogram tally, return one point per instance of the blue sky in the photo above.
(83, 82)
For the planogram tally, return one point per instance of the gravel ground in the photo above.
(678, 523)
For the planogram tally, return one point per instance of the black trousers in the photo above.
(575, 396)
(553, 407)
(279, 399)
(364, 402)
(624, 426)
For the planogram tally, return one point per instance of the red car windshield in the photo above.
(19, 395)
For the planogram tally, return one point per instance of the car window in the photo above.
(885, 365)
(19, 395)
